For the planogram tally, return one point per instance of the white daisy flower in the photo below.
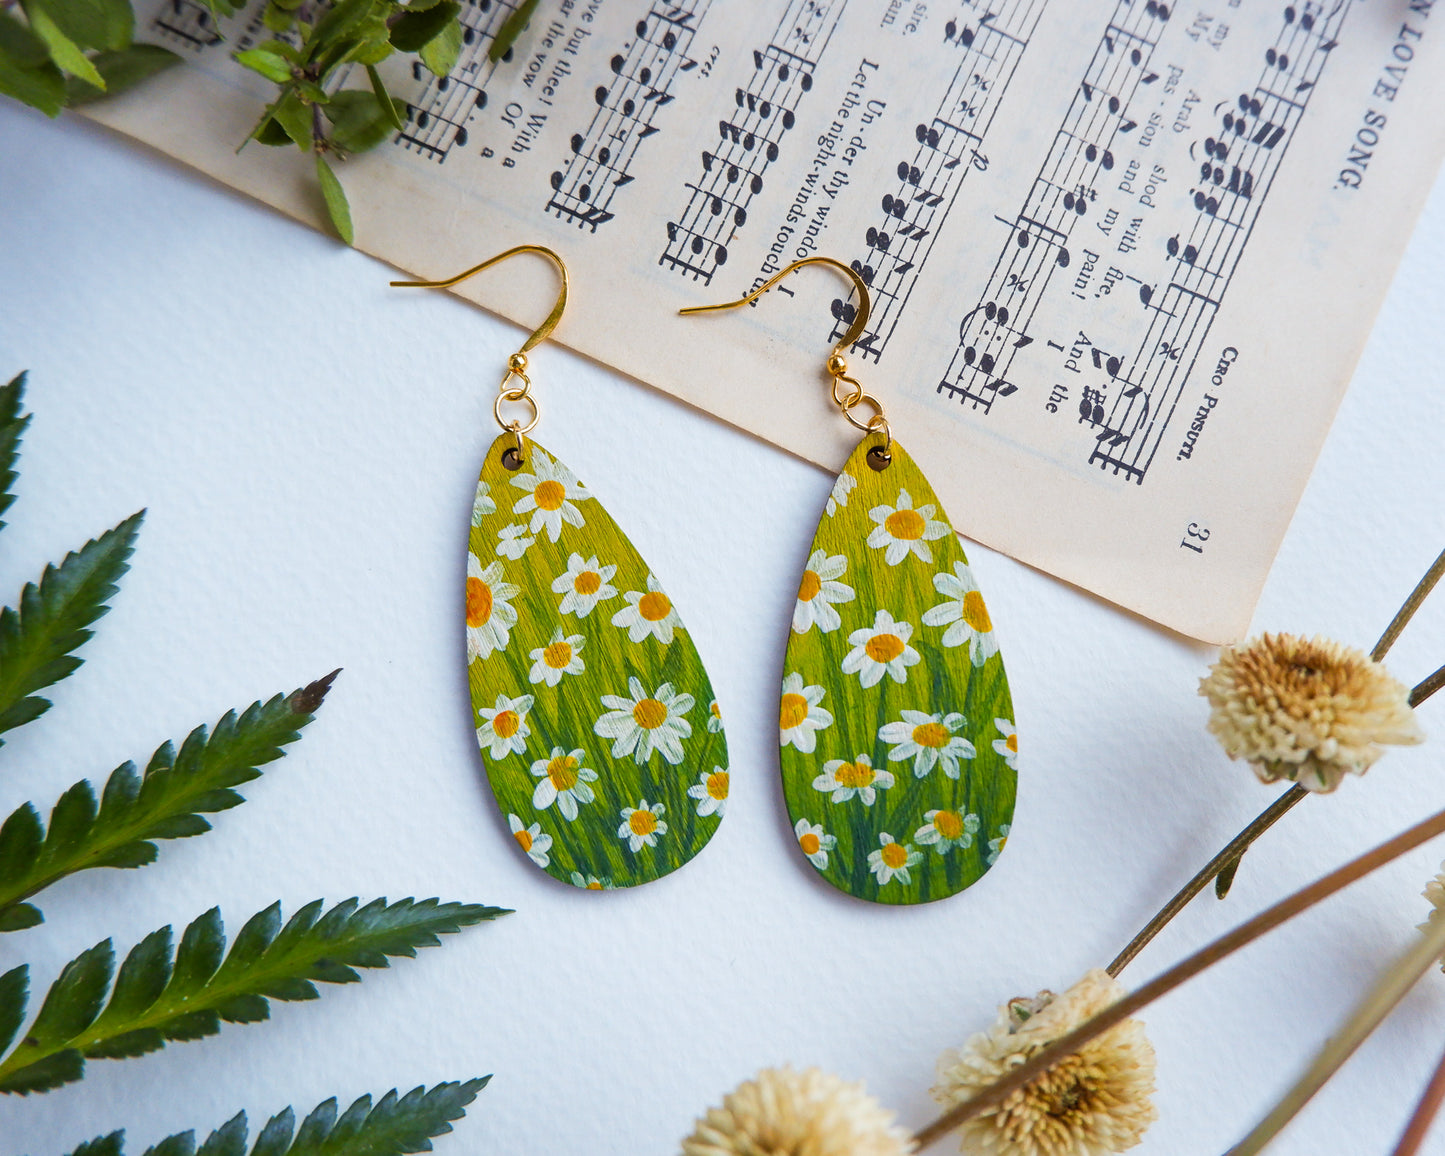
(504, 727)
(927, 739)
(817, 592)
(892, 860)
(964, 614)
(881, 649)
(512, 541)
(560, 656)
(642, 824)
(562, 779)
(482, 504)
(1008, 746)
(995, 846)
(648, 613)
(904, 530)
(711, 792)
(531, 840)
(714, 717)
(945, 830)
(841, 489)
(490, 616)
(551, 489)
(583, 585)
(643, 723)
(592, 882)
(800, 716)
(847, 779)
(814, 842)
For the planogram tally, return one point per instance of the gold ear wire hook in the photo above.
(837, 364)
(517, 363)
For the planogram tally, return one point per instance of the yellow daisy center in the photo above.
(587, 582)
(975, 613)
(717, 784)
(794, 711)
(642, 822)
(557, 655)
(524, 838)
(894, 855)
(931, 734)
(654, 606)
(479, 602)
(1012, 742)
(905, 525)
(562, 771)
(883, 647)
(550, 495)
(855, 775)
(1002, 842)
(715, 710)
(505, 723)
(810, 843)
(810, 585)
(649, 714)
(594, 885)
(949, 824)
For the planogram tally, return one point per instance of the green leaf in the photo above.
(36, 642)
(338, 23)
(440, 53)
(335, 196)
(270, 132)
(277, 18)
(514, 26)
(412, 30)
(294, 115)
(359, 120)
(223, 8)
(164, 803)
(63, 50)
(157, 998)
(112, 1145)
(26, 71)
(393, 107)
(12, 426)
(1225, 879)
(19, 917)
(14, 995)
(106, 24)
(121, 70)
(268, 64)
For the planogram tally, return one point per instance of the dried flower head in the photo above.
(1095, 1101)
(1308, 710)
(780, 1112)
(1435, 893)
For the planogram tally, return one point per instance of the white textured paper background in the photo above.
(307, 440)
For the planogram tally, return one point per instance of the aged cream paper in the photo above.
(1123, 254)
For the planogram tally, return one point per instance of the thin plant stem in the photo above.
(1424, 1114)
(1390, 989)
(1163, 984)
(1412, 604)
(1231, 853)
(1428, 687)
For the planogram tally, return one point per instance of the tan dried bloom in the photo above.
(1435, 893)
(780, 1112)
(1095, 1101)
(1308, 710)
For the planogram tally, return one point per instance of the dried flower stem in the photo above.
(1226, 945)
(1387, 992)
(1428, 687)
(1407, 611)
(1424, 1114)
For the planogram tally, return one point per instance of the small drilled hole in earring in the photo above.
(879, 459)
(511, 459)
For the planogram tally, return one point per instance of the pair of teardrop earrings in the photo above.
(602, 738)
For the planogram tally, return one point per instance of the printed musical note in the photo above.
(188, 24)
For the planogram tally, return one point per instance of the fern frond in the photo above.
(36, 641)
(166, 802)
(12, 426)
(160, 995)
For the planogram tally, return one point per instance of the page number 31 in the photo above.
(1194, 538)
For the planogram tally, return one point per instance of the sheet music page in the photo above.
(1123, 254)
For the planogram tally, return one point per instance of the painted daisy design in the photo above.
(841, 489)
(711, 792)
(562, 779)
(714, 717)
(1008, 746)
(592, 882)
(995, 846)
(551, 491)
(482, 504)
(648, 612)
(814, 842)
(904, 530)
(879, 650)
(642, 723)
(818, 591)
(490, 616)
(531, 840)
(892, 860)
(945, 830)
(560, 656)
(504, 726)
(799, 715)
(964, 614)
(512, 541)
(642, 824)
(927, 739)
(845, 779)
(583, 585)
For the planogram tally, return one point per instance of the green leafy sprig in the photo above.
(166, 802)
(185, 994)
(12, 426)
